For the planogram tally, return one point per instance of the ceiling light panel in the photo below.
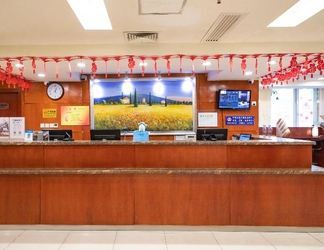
(159, 7)
(92, 14)
(298, 13)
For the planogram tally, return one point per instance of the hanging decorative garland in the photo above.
(293, 71)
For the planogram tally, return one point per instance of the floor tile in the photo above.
(133, 240)
(318, 236)
(8, 236)
(242, 241)
(94, 240)
(296, 241)
(191, 240)
(39, 240)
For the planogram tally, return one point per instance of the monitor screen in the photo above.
(60, 134)
(234, 99)
(104, 134)
(245, 137)
(214, 134)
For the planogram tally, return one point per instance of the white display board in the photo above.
(17, 127)
(207, 119)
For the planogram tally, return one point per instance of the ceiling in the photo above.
(49, 29)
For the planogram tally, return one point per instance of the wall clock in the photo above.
(55, 91)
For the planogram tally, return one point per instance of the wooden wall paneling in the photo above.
(87, 199)
(182, 200)
(20, 199)
(22, 156)
(263, 156)
(277, 200)
(180, 156)
(105, 156)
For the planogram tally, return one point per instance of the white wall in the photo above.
(264, 107)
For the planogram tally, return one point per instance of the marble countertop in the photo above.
(257, 141)
(86, 171)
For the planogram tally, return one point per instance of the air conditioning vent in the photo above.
(141, 37)
(222, 24)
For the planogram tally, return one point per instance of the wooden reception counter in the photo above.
(260, 182)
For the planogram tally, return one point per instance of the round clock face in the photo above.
(55, 91)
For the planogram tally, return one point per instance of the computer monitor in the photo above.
(104, 134)
(209, 134)
(60, 134)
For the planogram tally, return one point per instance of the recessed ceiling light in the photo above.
(81, 65)
(206, 63)
(143, 64)
(298, 13)
(41, 75)
(248, 73)
(19, 65)
(91, 14)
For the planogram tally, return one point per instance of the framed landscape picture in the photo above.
(163, 104)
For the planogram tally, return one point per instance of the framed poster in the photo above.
(207, 119)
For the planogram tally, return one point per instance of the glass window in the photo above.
(298, 107)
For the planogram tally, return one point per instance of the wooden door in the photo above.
(9, 104)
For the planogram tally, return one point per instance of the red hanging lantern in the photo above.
(243, 65)
(3, 77)
(9, 68)
(269, 63)
(131, 64)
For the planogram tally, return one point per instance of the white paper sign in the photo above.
(207, 119)
(17, 127)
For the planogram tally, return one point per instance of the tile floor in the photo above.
(161, 239)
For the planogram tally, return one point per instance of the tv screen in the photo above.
(104, 134)
(214, 134)
(234, 99)
(60, 134)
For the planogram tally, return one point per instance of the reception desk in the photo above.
(260, 182)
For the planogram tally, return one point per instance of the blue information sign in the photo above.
(239, 120)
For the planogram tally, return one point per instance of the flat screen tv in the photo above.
(234, 99)
(60, 134)
(104, 134)
(211, 134)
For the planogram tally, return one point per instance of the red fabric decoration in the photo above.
(117, 58)
(106, 59)
(192, 65)
(269, 65)
(21, 68)
(143, 65)
(231, 63)
(34, 65)
(94, 68)
(155, 66)
(180, 56)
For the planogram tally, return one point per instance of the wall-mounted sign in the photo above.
(49, 113)
(4, 105)
(207, 119)
(239, 120)
(75, 115)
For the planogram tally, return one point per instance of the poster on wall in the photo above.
(17, 127)
(207, 119)
(4, 128)
(163, 104)
(75, 115)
